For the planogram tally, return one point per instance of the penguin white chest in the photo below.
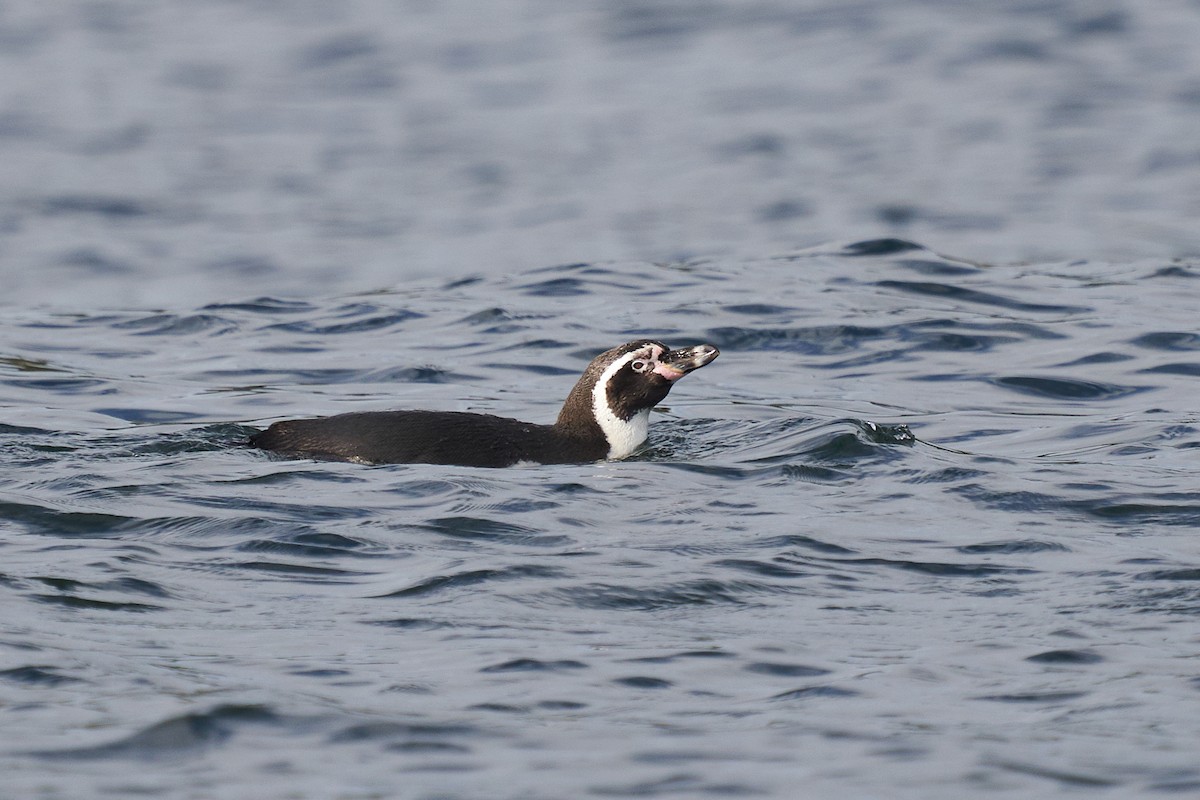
(623, 435)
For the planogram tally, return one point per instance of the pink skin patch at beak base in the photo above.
(668, 372)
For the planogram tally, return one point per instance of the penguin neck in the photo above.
(624, 435)
(588, 415)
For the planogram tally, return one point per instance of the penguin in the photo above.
(606, 416)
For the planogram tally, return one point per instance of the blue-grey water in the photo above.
(927, 529)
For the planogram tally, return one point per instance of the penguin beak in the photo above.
(674, 364)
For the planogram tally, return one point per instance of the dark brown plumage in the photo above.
(609, 423)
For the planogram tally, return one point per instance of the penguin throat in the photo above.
(623, 435)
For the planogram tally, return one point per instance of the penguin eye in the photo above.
(639, 365)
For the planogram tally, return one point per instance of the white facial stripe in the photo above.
(624, 436)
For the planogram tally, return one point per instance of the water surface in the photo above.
(926, 529)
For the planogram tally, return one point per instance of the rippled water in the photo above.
(926, 529)
(159, 154)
